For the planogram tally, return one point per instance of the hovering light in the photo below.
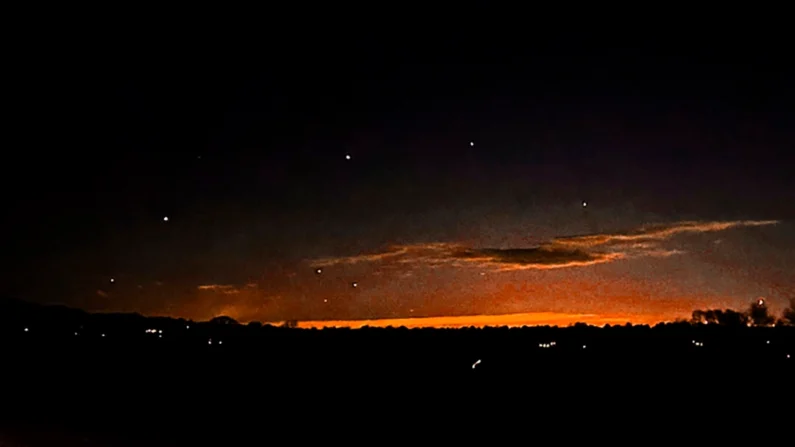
(210, 341)
(325, 300)
(187, 326)
(347, 157)
(165, 219)
(471, 144)
(160, 331)
(355, 284)
(220, 342)
(160, 336)
(113, 280)
(26, 329)
(103, 335)
(584, 204)
(319, 271)
(583, 346)
(761, 302)
(476, 364)
(767, 342)
(75, 333)
(787, 355)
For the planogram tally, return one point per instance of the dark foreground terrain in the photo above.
(229, 384)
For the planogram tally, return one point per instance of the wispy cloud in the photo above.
(564, 252)
(227, 289)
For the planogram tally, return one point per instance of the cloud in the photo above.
(564, 252)
(226, 289)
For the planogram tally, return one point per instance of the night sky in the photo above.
(561, 179)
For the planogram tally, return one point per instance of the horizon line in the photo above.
(486, 320)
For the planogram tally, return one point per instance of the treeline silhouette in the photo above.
(111, 372)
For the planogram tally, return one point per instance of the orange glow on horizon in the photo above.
(510, 320)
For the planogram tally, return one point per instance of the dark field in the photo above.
(276, 380)
(64, 383)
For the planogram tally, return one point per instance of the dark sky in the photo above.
(685, 144)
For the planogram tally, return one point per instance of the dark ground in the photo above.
(275, 383)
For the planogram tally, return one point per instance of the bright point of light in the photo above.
(475, 364)
(319, 271)
(583, 346)
(113, 280)
(356, 284)
(347, 157)
(760, 302)
(103, 335)
(584, 204)
(471, 143)
(767, 342)
(325, 300)
(165, 219)
(220, 342)
(787, 355)
(75, 333)
(26, 329)
(187, 327)
(210, 341)
(160, 331)
(160, 336)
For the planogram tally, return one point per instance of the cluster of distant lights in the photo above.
(551, 344)
(159, 332)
